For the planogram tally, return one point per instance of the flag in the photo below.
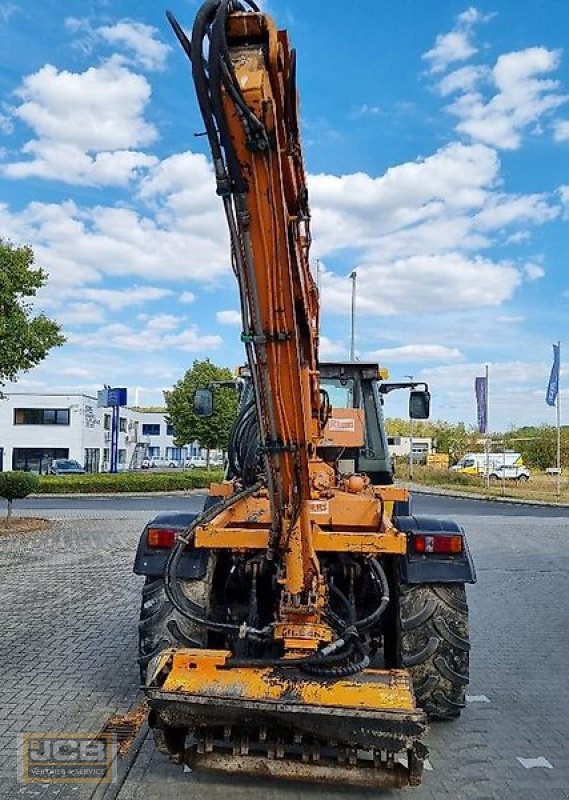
(553, 385)
(481, 390)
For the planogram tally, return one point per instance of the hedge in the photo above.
(128, 482)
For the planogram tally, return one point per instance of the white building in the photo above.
(36, 428)
(400, 446)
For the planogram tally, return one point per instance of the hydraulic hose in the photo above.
(365, 623)
(171, 587)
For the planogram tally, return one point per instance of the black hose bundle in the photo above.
(171, 586)
(243, 450)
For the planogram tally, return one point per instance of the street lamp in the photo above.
(353, 277)
(410, 377)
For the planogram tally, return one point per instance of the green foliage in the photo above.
(538, 445)
(26, 339)
(129, 482)
(448, 437)
(212, 432)
(443, 477)
(16, 485)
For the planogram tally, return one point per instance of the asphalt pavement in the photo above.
(69, 609)
(433, 505)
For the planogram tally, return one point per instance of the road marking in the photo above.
(530, 763)
(427, 765)
(477, 698)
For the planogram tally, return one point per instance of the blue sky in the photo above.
(436, 139)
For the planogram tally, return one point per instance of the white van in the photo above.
(475, 463)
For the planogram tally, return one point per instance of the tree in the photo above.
(25, 339)
(212, 432)
(538, 445)
(16, 485)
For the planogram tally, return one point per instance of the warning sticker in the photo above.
(337, 424)
(320, 506)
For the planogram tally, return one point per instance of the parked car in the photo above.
(65, 466)
(196, 462)
(155, 461)
(509, 473)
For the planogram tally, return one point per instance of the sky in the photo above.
(436, 140)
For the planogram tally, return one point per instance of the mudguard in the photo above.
(152, 561)
(434, 568)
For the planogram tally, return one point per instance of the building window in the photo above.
(170, 430)
(92, 456)
(107, 422)
(175, 453)
(41, 416)
(153, 452)
(122, 424)
(122, 457)
(36, 459)
(150, 429)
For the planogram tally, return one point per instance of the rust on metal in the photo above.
(289, 769)
(126, 726)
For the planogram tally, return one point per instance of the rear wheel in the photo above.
(523, 478)
(161, 626)
(435, 645)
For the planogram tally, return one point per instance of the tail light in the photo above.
(437, 543)
(161, 537)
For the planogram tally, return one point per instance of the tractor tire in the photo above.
(435, 646)
(161, 626)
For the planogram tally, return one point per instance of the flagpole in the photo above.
(487, 443)
(558, 408)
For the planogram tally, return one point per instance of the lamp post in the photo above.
(353, 277)
(410, 377)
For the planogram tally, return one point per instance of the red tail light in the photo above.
(437, 543)
(161, 537)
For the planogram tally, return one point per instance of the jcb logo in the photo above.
(67, 758)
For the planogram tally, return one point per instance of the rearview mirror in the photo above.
(203, 402)
(419, 404)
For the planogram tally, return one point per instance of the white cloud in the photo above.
(77, 246)
(416, 352)
(450, 47)
(330, 348)
(425, 284)
(456, 45)
(361, 208)
(533, 271)
(564, 195)
(164, 322)
(561, 130)
(521, 98)
(447, 203)
(6, 124)
(187, 297)
(66, 162)
(86, 124)
(152, 337)
(463, 79)
(148, 51)
(229, 316)
(117, 299)
(79, 314)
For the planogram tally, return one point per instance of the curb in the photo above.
(104, 495)
(516, 501)
(110, 791)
